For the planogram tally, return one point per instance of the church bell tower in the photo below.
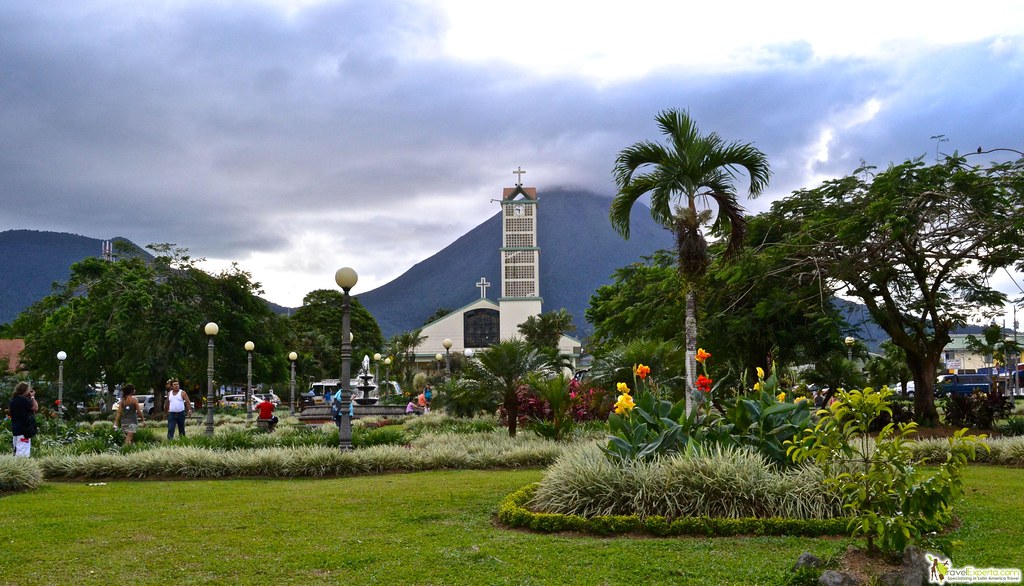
(520, 257)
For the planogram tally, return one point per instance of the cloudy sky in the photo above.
(295, 137)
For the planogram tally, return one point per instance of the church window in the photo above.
(481, 328)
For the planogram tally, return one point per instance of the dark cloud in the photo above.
(237, 129)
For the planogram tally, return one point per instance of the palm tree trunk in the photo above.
(691, 349)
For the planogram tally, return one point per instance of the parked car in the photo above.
(238, 401)
(148, 403)
(272, 397)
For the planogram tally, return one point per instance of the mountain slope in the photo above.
(32, 261)
(579, 251)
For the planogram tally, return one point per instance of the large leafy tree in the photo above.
(917, 245)
(136, 321)
(317, 328)
(684, 178)
(501, 369)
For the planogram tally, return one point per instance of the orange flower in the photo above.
(642, 370)
(702, 355)
(704, 384)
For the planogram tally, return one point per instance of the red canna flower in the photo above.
(704, 384)
(642, 370)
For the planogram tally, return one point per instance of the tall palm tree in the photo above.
(692, 168)
(501, 369)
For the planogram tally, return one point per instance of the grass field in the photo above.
(421, 528)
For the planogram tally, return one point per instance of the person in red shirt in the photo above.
(266, 409)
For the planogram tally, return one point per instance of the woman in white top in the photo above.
(177, 407)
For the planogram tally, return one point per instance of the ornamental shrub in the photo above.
(891, 502)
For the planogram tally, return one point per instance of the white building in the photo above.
(485, 322)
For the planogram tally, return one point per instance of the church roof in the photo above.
(512, 192)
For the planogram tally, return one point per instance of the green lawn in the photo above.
(422, 528)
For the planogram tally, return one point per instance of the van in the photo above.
(962, 384)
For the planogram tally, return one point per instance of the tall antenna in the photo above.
(108, 251)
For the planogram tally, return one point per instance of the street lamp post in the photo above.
(249, 347)
(387, 373)
(211, 330)
(1011, 366)
(61, 357)
(438, 357)
(447, 358)
(849, 341)
(291, 404)
(376, 371)
(346, 278)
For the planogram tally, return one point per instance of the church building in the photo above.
(484, 322)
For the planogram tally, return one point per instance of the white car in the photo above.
(148, 403)
(272, 397)
(237, 401)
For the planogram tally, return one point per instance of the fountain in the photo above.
(365, 386)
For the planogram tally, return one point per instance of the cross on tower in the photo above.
(483, 285)
(519, 171)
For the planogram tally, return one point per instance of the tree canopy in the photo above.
(917, 245)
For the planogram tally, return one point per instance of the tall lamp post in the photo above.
(376, 371)
(1011, 366)
(346, 278)
(249, 347)
(849, 341)
(438, 357)
(211, 330)
(61, 357)
(387, 373)
(447, 358)
(291, 404)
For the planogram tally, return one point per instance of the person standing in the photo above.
(23, 407)
(177, 407)
(129, 413)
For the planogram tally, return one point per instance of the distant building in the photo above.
(957, 356)
(10, 354)
(484, 322)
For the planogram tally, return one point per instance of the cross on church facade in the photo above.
(519, 172)
(483, 285)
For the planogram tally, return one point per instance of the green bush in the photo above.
(891, 501)
(1013, 426)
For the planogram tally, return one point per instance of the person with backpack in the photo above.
(23, 407)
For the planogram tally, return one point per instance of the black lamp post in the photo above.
(849, 341)
(211, 330)
(346, 278)
(447, 358)
(249, 347)
(291, 404)
(61, 357)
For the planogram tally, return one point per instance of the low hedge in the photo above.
(513, 513)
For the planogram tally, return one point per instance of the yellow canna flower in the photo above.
(625, 403)
(757, 386)
(781, 397)
(798, 399)
(760, 372)
(623, 388)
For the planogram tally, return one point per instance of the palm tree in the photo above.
(501, 369)
(403, 347)
(691, 168)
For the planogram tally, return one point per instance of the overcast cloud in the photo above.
(298, 137)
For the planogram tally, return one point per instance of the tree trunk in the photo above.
(691, 350)
(924, 371)
(512, 412)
